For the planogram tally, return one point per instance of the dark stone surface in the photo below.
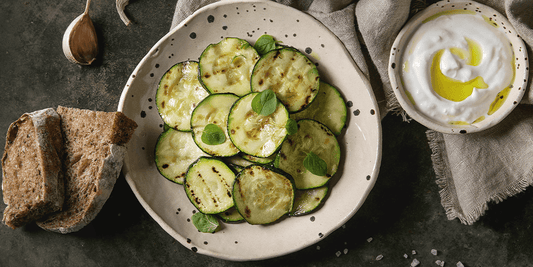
(402, 213)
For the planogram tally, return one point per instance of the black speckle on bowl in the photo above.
(192, 35)
(356, 112)
(210, 19)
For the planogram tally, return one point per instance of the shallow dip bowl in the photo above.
(501, 24)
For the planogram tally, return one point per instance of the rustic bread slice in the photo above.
(94, 152)
(32, 181)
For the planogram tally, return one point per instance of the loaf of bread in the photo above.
(93, 155)
(32, 181)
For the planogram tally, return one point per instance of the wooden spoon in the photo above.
(80, 43)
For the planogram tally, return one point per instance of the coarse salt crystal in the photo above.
(317, 247)
(369, 239)
(338, 253)
(405, 256)
(434, 252)
(345, 251)
(379, 257)
(440, 263)
(415, 263)
(413, 252)
(460, 264)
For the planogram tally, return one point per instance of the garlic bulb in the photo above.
(80, 43)
(121, 5)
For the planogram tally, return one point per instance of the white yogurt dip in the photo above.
(458, 67)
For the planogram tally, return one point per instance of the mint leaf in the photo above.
(315, 164)
(205, 223)
(291, 126)
(265, 103)
(213, 135)
(265, 44)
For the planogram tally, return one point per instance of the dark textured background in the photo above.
(402, 213)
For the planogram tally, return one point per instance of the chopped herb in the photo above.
(213, 135)
(205, 223)
(265, 103)
(265, 44)
(291, 126)
(314, 164)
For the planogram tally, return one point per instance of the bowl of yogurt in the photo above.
(458, 67)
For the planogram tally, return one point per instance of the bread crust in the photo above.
(94, 147)
(32, 181)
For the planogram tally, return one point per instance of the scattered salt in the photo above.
(338, 253)
(434, 252)
(405, 256)
(379, 257)
(369, 240)
(415, 263)
(317, 247)
(460, 264)
(345, 251)
(440, 263)
(413, 252)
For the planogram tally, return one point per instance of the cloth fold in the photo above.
(471, 169)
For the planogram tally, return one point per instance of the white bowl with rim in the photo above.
(501, 23)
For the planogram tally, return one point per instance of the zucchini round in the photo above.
(231, 215)
(258, 159)
(226, 67)
(312, 136)
(208, 185)
(328, 108)
(262, 195)
(174, 152)
(254, 134)
(306, 201)
(290, 74)
(178, 93)
(214, 109)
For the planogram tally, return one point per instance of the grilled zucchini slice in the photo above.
(232, 215)
(178, 93)
(214, 109)
(226, 67)
(254, 134)
(312, 136)
(328, 108)
(258, 159)
(290, 74)
(262, 195)
(208, 184)
(306, 201)
(174, 152)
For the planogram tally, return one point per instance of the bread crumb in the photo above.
(434, 252)
(414, 263)
(379, 257)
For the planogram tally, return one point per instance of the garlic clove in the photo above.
(121, 5)
(80, 43)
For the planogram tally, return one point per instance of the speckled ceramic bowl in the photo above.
(167, 203)
(501, 24)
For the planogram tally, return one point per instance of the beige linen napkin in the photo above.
(471, 169)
